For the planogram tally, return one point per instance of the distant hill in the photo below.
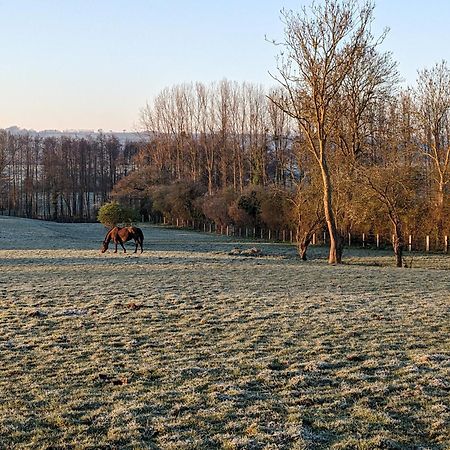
(122, 136)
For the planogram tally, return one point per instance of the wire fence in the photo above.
(372, 240)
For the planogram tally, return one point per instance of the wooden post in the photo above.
(428, 243)
(349, 239)
(164, 220)
(177, 222)
(409, 243)
(324, 237)
(210, 227)
(378, 241)
(291, 236)
(284, 235)
(254, 233)
(446, 244)
(364, 239)
(269, 234)
(228, 230)
(262, 234)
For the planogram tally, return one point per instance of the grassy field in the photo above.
(188, 347)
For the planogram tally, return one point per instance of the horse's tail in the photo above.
(140, 236)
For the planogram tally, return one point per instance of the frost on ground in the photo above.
(186, 346)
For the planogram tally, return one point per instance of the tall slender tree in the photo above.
(321, 47)
(433, 111)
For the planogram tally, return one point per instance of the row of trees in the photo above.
(223, 134)
(60, 178)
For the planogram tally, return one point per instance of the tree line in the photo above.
(337, 144)
(60, 178)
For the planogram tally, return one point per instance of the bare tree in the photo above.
(433, 110)
(389, 179)
(321, 47)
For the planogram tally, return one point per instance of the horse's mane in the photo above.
(108, 236)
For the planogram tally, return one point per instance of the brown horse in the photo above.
(120, 235)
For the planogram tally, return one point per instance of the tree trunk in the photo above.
(440, 212)
(303, 241)
(398, 243)
(336, 243)
(54, 202)
(303, 248)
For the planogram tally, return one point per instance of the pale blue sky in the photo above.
(94, 63)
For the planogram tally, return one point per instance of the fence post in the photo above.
(410, 243)
(254, 233)
(177, 222)
(349, 239)
(262, 234)
(228, 230)
(314, 239)
(428, 243)
(284, 235)
(210, 227)
(324, 237)
(446, 244)
(378, 240)
(269, 234)
(364, 239)
(291, 236)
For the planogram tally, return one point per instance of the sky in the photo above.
(93, 64)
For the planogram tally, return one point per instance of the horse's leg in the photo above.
(115, 244)
(121, 243)
(141, 243)
(135, 245)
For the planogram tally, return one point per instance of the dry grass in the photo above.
(187, 347)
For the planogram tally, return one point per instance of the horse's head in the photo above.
(104, 246)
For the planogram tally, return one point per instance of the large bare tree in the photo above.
(433, 110)
(322, 46)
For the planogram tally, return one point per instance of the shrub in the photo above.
(178, 200)
(245, 210)
(217, 207)
(275, 209)
(112, 214)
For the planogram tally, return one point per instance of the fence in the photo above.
(361, 240)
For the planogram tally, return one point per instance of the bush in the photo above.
(217, 207)
(275, 209)
(112, 214)
(179, 200)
